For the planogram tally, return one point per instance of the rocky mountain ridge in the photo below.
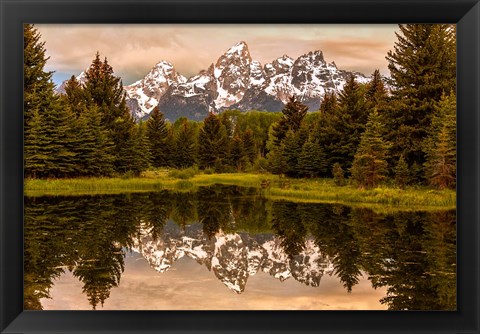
(236, 81)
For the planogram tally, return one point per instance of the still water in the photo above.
(226, 247)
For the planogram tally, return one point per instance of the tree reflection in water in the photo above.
(236, 232)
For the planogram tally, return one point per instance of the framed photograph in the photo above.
(228, 166)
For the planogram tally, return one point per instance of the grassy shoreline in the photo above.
(298, 190)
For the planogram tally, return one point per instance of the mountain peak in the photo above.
(163, 64)
(283, 61)
(319, 54)
(316, 55)
(239, 48)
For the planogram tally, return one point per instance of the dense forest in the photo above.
(400, 130)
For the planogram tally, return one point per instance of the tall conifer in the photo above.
(292, 116)
(422, 67)
(185, 145)
(38, 87)
(140, 150)
(402, 175)
(157, 134)
(212, 142)
(104, 90)
(340, 134)
(94, 149)
(329, 103)
(312, 159)
(440, 145)
(369, 167)
(376, 93)
(36, 153)
(74, 96)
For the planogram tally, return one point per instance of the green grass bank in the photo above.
(274, 187)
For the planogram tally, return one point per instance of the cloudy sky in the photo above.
(133, 50)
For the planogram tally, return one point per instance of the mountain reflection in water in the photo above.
(236, 233)
(233, 257)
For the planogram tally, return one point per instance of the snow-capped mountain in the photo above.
(236, 81)
(220, 86)
(233, 257)
(145, 94)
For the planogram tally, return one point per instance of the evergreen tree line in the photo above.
(368, 133)
(88, 131)
(216, 143)
(371, 134)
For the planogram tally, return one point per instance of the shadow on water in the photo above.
(235, 232)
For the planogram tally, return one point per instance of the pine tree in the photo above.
(340, 135)
(48, 145)
(157, 133)
(422, 67)
(232, 129)
(36, 154)
(292, 116)
(122, 134)
(94, 80)
(185, 145)
(38, 88)
(249, 145)
(141, 150)
(292, 148)
(402, 174)
(105, 91)
(170, 147)
(440, 145)
(237, 153)
(376, 93)
(329, 103)
(312, 160)
(212, 142)
(94, 149)
(74, 96)
(277, 163)
(60, 122)
(370, 166)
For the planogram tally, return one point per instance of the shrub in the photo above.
(338, 174)
(208, 171)
(259, 165)
(184, 174)
(128, 175)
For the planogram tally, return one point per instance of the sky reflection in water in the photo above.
(148, 251)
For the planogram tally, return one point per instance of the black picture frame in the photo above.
(14, 13)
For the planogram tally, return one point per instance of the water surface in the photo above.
(230, 248)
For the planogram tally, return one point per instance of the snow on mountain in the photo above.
(279, 74)
(236, 81)
(257, 74)
(146, 93)
(232, 75)
(233, 257)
